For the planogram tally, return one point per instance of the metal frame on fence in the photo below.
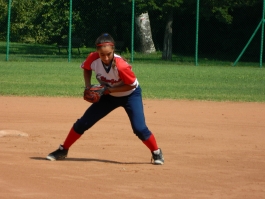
(70, 31)
(8, 30)
(261, 24)
(132, 32)
(197, 33)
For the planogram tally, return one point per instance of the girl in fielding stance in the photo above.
(123, 91)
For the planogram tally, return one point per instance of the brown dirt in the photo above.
(212, 150)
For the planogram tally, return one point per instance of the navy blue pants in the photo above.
(132, 104)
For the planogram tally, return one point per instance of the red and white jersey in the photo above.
(117, 76)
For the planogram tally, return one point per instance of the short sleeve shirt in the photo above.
(119, 75)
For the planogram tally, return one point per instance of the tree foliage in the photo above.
(222, 10)
(47, 21)
(3, 19)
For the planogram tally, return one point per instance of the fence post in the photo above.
(197, 32)
(262, 34)
(249, 41)
(8, 30)
(70, 31)
(132, 31)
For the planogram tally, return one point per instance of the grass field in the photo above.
(38, 70)
(160, 81)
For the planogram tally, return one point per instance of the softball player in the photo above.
(123, 91)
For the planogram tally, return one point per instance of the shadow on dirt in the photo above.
(91, 160)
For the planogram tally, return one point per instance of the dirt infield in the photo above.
(212, 150)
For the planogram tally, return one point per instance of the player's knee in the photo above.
(80, 127)
(142, 134)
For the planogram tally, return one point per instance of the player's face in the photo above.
(106, 54)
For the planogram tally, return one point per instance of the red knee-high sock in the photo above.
(71, 138)
(151, 143)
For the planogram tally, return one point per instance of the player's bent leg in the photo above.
(135, 111)
(94, 113)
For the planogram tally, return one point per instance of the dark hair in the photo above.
(104, 38)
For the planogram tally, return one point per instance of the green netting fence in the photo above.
(194, 31)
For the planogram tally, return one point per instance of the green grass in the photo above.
(203, 83)
(39, 70)
(161, 80)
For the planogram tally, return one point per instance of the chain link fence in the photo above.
(39, 30)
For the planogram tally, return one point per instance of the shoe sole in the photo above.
(158, 163)
(52, 158)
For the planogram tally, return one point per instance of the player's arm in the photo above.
(87, 77)
(87, 70)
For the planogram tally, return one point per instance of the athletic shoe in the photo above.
(59, 154)
(157, 157)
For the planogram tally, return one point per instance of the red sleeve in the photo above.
(87, 63)
(125, 71)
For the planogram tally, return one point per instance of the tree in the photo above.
(167, 44)
(21, 19)
(99, 16)
(221, 9)
(225, 26)
(51, 22)
(168, 7)
(165, 9)
(37, 21)
(164, 25)
(3, 19)
(144, 33)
